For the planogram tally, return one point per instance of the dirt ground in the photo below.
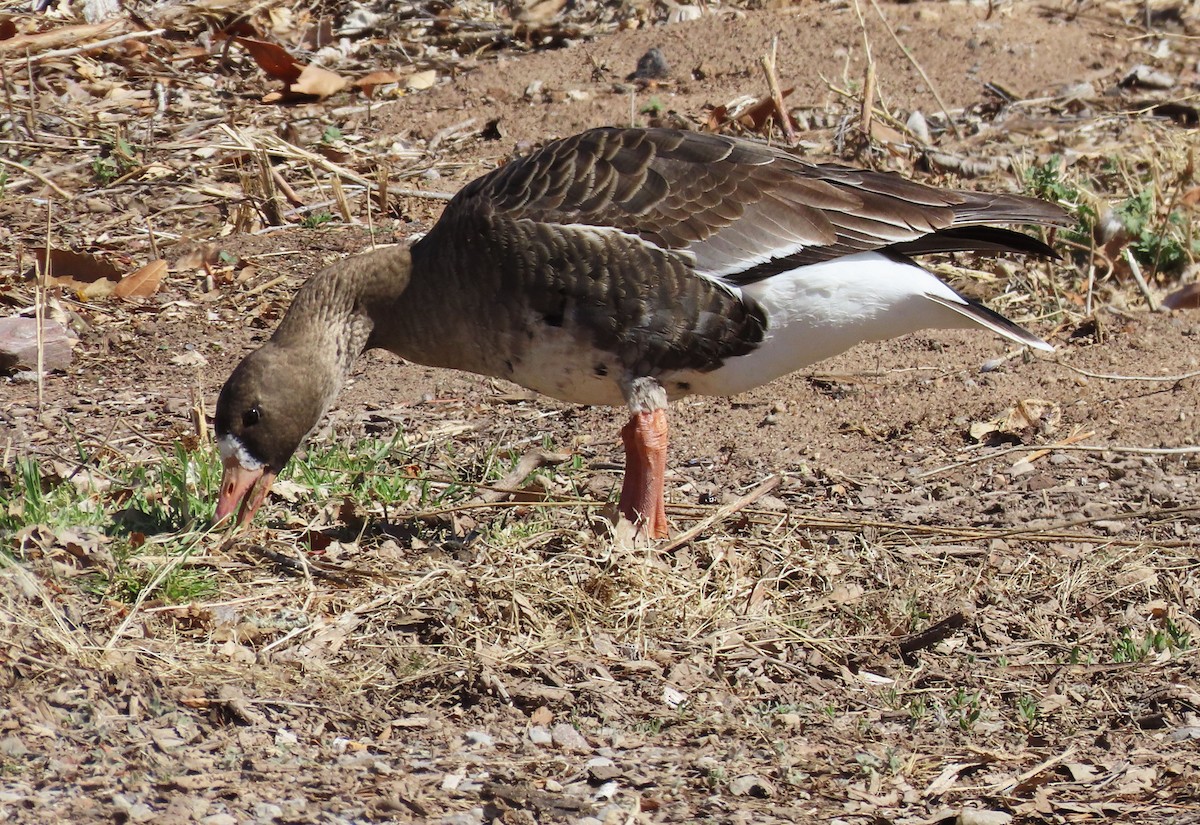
(967, 594)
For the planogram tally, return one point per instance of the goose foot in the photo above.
(645, 438)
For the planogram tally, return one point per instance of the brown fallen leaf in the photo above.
(57, 38)
(368, 83)
(75, 270)
(143, 283)
(273, 59)
(1027, 414)
(753, 116)
(421, 80)
(318, 82)
(1186, 297)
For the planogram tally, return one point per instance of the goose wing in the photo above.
(739, 210)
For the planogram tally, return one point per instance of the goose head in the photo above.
(263, 413)
(279, 392)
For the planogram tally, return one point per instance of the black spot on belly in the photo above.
(601, 370)
(553, 319)
(683, 386)
(508, 365)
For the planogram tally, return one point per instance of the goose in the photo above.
(626, 266)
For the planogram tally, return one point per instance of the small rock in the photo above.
(1145, 77)
(219, 819)
(791, 721)
(1184, 734)
(681, 14)
(918, 128)
(267, 812)
(540, 735)
(975, 816)
(13, 748)
(19, 344)
(569, 739)
(651, 66)
(479, 739)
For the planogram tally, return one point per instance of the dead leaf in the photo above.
(143, 283)
(949, 776)
(1186, 297)
(752, 785)
(1026, 415)
(273, 59)
(368, 83)
(54, 38)
(421, 80)
(318, 82)
(977, 816)
(75, 270)
(750, 113)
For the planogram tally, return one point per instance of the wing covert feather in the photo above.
(735, 207)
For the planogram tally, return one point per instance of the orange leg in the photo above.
(645, 438)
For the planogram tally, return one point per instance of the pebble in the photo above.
(479, 739)
(267, 812)
(569, 739)
(13, 748)
(219, 819)
(539, 735)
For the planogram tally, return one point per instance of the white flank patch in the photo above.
(745, 261)
(231, 447)
(817, 311)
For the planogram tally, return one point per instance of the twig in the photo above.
(785, 120)
(931, 635)
(286, 188)
(441, 135)
(1083, 448)
(1136, 271)
(65, 195)
(276, 281)
(1172, 379)
(99, 44)
(1045, 451)
(723, 513)
(159, 577)
(530, 461)
(1007, 786)
(39, 308)
(866, 107)
(920, 71)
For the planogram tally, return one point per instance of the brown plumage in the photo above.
(626, 266)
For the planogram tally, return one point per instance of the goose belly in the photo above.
(821, 310)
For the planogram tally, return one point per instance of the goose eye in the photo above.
(251, 416)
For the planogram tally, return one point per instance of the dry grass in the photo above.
(755, 671)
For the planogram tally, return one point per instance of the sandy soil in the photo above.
(765, 671)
